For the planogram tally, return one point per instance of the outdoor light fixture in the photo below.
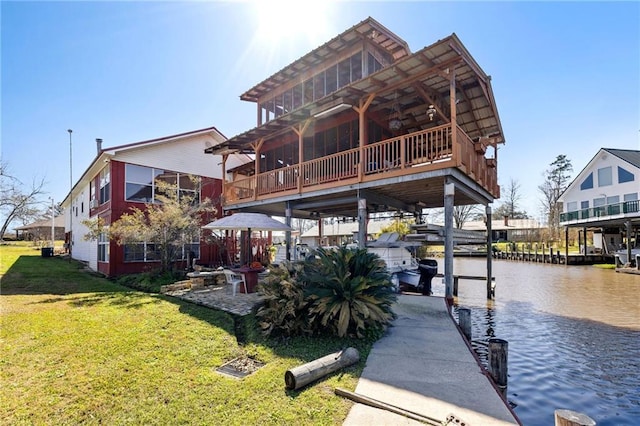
(395, 123)
(431, 112)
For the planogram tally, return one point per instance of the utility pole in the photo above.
(70, 195)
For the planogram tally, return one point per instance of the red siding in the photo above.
(113, 209)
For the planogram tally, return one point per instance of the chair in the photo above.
(235, 279)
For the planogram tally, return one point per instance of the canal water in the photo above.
(573, 335)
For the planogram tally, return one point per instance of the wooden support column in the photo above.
(490, 294)
(287, 238)
(454, 119)
(449, 192)
(361, 109)
(362, 222)
(300, 132)
(224, 176)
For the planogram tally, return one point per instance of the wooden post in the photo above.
(550, 254)
(307, 373)
(455, 286)
(572, 418)
(464, 319)
(566, 245)
(498, 355)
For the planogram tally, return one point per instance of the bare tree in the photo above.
(462, 214)
(17, 202)
(557, 178)
(510, 206)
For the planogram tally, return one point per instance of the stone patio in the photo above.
(219, 297)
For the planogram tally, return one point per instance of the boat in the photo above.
(406, 270)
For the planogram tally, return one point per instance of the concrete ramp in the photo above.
(423, 365)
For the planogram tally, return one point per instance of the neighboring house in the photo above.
(604, 197)
(361, 122)
(41, 230)
(512, 230)
(123, 177)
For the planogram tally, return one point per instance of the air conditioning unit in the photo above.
(94, 203)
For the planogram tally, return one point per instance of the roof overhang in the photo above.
(415, 81)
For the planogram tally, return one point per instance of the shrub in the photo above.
(149, 282)
(285, 310)
(349, 292)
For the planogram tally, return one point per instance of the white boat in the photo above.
(400, 261)
(621, 256)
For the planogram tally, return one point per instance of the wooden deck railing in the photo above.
(433, 148)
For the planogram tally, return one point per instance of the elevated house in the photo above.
(603, 198)
(362, 122)
(125, 176)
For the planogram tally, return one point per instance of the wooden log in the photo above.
(498, 355)
(303, 375)
(572, 418)
(464, 319)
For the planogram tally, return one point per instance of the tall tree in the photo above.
(462, 214)
(510, 205)
(170, 223)
(16, 201)
(557, 178)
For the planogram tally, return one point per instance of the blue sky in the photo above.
(566, 75)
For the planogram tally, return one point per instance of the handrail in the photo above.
(602, 211)
(400, 155)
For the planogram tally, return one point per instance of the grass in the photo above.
(78, 348)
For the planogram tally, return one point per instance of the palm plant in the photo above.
(350, 291)
(284, 311)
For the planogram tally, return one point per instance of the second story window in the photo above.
(105, 184)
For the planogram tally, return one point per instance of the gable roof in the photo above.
(104, 155)
(628, 155)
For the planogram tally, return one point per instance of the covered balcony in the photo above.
(434, 149)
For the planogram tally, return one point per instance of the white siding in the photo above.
(182, 155)
(601, 160)
(85, 251)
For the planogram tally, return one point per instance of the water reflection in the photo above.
(573, 333)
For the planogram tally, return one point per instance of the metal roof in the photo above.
(408, 81)
(369, 28)
(628, 155)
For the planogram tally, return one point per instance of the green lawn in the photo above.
(77, 348)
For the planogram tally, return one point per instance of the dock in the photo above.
(424, 365)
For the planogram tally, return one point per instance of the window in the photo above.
(105, 183)
(631, 197)
(92, 191)
(598, 206)
(141, 252)
(624, 175)
(139, 182)
(584, 205)
(587, 183)
(103, 247)
(604, 176)
(613, 204)
(572, 206)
